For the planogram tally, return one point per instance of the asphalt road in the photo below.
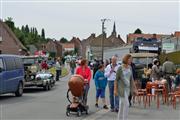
(37, 104)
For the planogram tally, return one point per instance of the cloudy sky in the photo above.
(81, 18)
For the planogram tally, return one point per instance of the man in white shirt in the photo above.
(110, 73)
(58, 69)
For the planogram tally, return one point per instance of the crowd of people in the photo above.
(120, 80)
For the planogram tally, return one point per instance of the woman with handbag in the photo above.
(124, 84)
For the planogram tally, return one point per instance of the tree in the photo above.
(76, 50)
(137, 31)
(10, 23)
(43, 33)
(26, 29)
(23, 28)
(27, 35)
(63, 40)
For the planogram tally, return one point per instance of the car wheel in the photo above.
(46, 87)
(49, 86)
(19, 91)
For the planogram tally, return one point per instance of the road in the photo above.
(37, 104)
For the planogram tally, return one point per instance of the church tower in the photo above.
(114, 30)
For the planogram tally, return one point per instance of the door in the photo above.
(11, 75)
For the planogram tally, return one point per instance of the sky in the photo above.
(81, 18)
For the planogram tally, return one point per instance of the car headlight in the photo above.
(32, 77)
(142, 44)
(154, 44)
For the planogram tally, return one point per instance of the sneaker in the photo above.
(105, 107)
(116, 110)
(96, 105)
(112, 110)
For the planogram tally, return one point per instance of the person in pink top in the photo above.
(85, 72)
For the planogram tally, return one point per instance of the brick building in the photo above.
(93, 45)
(54, 48)
(9, 43)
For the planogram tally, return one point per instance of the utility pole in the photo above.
(103, 35)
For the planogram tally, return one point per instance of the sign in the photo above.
(169, 47)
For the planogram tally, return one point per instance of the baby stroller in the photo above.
(76, 87)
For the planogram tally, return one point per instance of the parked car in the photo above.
(149, 45)
(141, 61)
(34, 76)
(11, 75)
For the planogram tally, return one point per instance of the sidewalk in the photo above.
(138, 112)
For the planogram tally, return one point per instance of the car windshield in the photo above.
(29, 60)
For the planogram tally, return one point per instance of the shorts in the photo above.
(100, 93)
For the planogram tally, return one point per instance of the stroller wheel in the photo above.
(87, 110)
(78, 112)
(67, 112)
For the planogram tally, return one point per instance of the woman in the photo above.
(85, 72)
(155, 73)
(124, 84)
(100, 83)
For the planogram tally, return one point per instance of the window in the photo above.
(18, 63)
(10, 63)
(1, 63)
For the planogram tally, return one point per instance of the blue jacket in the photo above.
(100, 80)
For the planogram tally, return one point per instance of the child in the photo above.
(100, 83)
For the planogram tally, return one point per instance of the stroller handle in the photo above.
(68, 95)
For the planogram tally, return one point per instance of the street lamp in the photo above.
(103, 34)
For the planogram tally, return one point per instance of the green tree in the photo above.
(26, 29)
(10, 23)
(43, 33)
(23, 28)
(63, 40)
(27, 35)
(76, 50)
(137, 31)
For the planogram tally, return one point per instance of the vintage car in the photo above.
(141, 61)
(34, 76)
(148, 45)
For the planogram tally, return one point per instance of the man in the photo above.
(72, 66)
(58, 69)
(168, 70)
(110, 73)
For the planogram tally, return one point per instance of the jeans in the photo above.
(123, 107)
(114, 100)
(72, 71)
(86, 89)
(58, 73)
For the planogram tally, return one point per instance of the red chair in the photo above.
(141, 93)
(174, 95)
(149, 94)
